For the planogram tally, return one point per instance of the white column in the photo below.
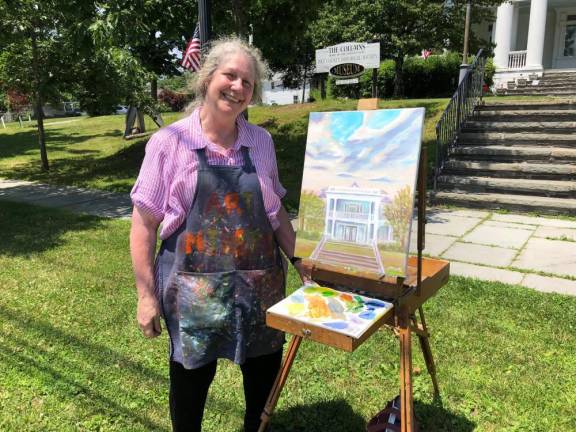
(536, 34)
(503, 37)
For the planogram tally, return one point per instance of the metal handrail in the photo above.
(467, 97)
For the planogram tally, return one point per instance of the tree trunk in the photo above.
(323, 88)
(39, 101)
(399, 76)
(304, 84)
(240, 20)
(154, 88)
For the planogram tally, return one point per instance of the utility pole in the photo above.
(205, 22)
(464, 65)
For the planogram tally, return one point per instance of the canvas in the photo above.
(346, 313)
(357, 196)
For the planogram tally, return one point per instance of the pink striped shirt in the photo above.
(167, 181)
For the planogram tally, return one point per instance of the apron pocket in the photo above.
(258, 290)
(205, 300)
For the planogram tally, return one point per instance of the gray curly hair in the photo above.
(219, 52)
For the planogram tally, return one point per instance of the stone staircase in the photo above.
(560, 84)
(519, 156)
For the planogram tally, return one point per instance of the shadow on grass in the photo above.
(434, 417)
(81, 171)
(21, 143)
(333, 416)
(73, 378)
(29, 230)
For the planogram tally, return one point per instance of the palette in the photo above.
(324, 311)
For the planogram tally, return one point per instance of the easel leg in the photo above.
(406, 398)
(279, 383)
(427, 353)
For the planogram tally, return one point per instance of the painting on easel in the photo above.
(357, 196)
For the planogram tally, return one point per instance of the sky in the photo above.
(374, 149)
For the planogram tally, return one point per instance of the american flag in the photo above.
(191, 58)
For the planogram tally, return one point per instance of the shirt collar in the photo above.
(199, 140)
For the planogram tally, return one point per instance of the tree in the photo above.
(148, 30)
(402, 27)
(37, 52)
(398, 213)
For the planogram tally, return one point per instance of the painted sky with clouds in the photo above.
(374, 149)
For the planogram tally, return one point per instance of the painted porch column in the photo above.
(503, 36)
(536, 33)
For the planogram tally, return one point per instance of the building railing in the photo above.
(517, 59)
(351, 215)
(460, 108)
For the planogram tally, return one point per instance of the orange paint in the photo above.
(346, 297)
(213, 204)
(232, 203)
(193, 241)
(317, 307)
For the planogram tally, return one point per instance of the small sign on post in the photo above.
(349, 60)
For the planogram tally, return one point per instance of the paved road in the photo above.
(534, 252)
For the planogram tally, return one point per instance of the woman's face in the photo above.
(232, 85)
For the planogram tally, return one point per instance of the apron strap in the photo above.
(248, 165)
(202, 160)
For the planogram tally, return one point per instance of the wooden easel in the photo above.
(424, 278)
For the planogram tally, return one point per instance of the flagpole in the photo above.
(204, 21)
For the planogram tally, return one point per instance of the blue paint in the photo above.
(376, 303)
(297, 298)
(338, 325)
(368, 315)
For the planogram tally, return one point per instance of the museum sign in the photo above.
(348, 60)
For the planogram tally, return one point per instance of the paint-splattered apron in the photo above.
(221, 270)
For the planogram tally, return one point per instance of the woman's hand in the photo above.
(148, 316)
(303, 271)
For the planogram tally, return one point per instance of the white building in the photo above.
(274, 93)
(533, 36)
(354, 215)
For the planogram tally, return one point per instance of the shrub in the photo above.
(176, 101)
(489, 72)
(436, 76)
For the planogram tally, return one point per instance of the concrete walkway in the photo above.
(534, 252)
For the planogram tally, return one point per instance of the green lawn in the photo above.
(90, 151)
(72, 358)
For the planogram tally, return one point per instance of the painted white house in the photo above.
(532, 36)
(274, 93)
(354, 215)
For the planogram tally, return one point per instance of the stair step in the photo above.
(551, 188)
(517, 138)
(542, 153)
(556, 104)
(526, 115)
(542, 205)
(543, 126)
(513, 170)
(539, 92)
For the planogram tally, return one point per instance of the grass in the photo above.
(72, 358)
(90, 152)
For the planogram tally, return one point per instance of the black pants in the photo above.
(189, 389)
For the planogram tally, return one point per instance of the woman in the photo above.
(212, 180)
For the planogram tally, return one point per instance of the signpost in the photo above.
(348, 61)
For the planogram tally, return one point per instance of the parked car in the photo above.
(121, 109)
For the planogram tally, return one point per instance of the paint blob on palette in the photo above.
(347, 313)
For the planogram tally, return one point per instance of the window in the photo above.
(272, 85)
(295, 98)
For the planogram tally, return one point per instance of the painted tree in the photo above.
(399, 213)
(313, 209)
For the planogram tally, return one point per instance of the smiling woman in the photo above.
(212, 180)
